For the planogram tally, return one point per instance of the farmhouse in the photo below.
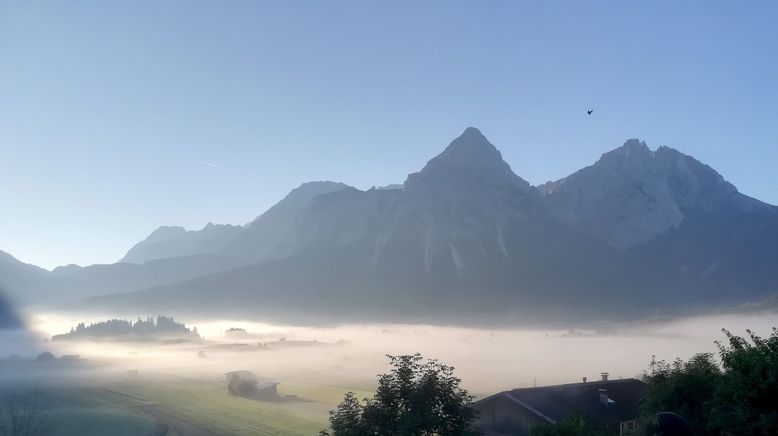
(246, 384)
(613, 403)
(267, 390)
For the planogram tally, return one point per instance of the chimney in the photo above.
(604, 397)
(604, 376)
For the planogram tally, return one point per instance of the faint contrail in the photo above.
(211, 164)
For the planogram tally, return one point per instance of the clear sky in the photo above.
(118, 117)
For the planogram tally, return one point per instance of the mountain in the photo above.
(24, 282)
(169, 255)
(633, 194)
(676, 216)
(167, 242)
(259, 240)
(76, 282)
(463, 238)
(8, 318)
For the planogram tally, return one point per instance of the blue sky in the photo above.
(118, 117)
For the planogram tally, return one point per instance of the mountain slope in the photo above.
(464, 236)
(632, 194)
(79, 282)
(162, 258)
(8, 318)
(259, 240)
(675, 216)
(24, 282)
(167, 242)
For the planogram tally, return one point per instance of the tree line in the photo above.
(122, 327)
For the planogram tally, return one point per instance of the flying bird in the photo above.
(590, 111)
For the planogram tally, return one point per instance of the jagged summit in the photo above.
(634, 145)
(471, 160)
(632, 194)
(634, 151)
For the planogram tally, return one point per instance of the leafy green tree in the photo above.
(687, 388)
(736, 397)
(416, 398)
(579, 425)
(747, 394)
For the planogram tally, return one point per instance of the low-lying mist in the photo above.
(487, 360)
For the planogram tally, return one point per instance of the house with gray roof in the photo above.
(610, 403)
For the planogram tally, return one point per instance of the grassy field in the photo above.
(206, 403)
(101, 407)
(92, 411)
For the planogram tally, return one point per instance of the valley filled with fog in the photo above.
(388, 218)
(488, 360)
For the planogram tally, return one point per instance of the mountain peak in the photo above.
(634, 144)
(469, 158)
(633, 150)
(470, 147)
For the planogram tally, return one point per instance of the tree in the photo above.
(736, 397)
(23, 415)
(747, 394)
(416, 398)
(687, 388)
(579, 425)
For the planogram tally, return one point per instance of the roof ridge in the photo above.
(597, 382)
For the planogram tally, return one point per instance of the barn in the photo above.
(247, 384)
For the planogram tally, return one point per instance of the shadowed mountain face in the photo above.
(465, 239)
(8, 319)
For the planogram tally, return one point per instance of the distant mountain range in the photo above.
(463, 239)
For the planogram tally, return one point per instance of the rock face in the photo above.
(167, 242)
(676, 217)
(449, 217)
(633, 194)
